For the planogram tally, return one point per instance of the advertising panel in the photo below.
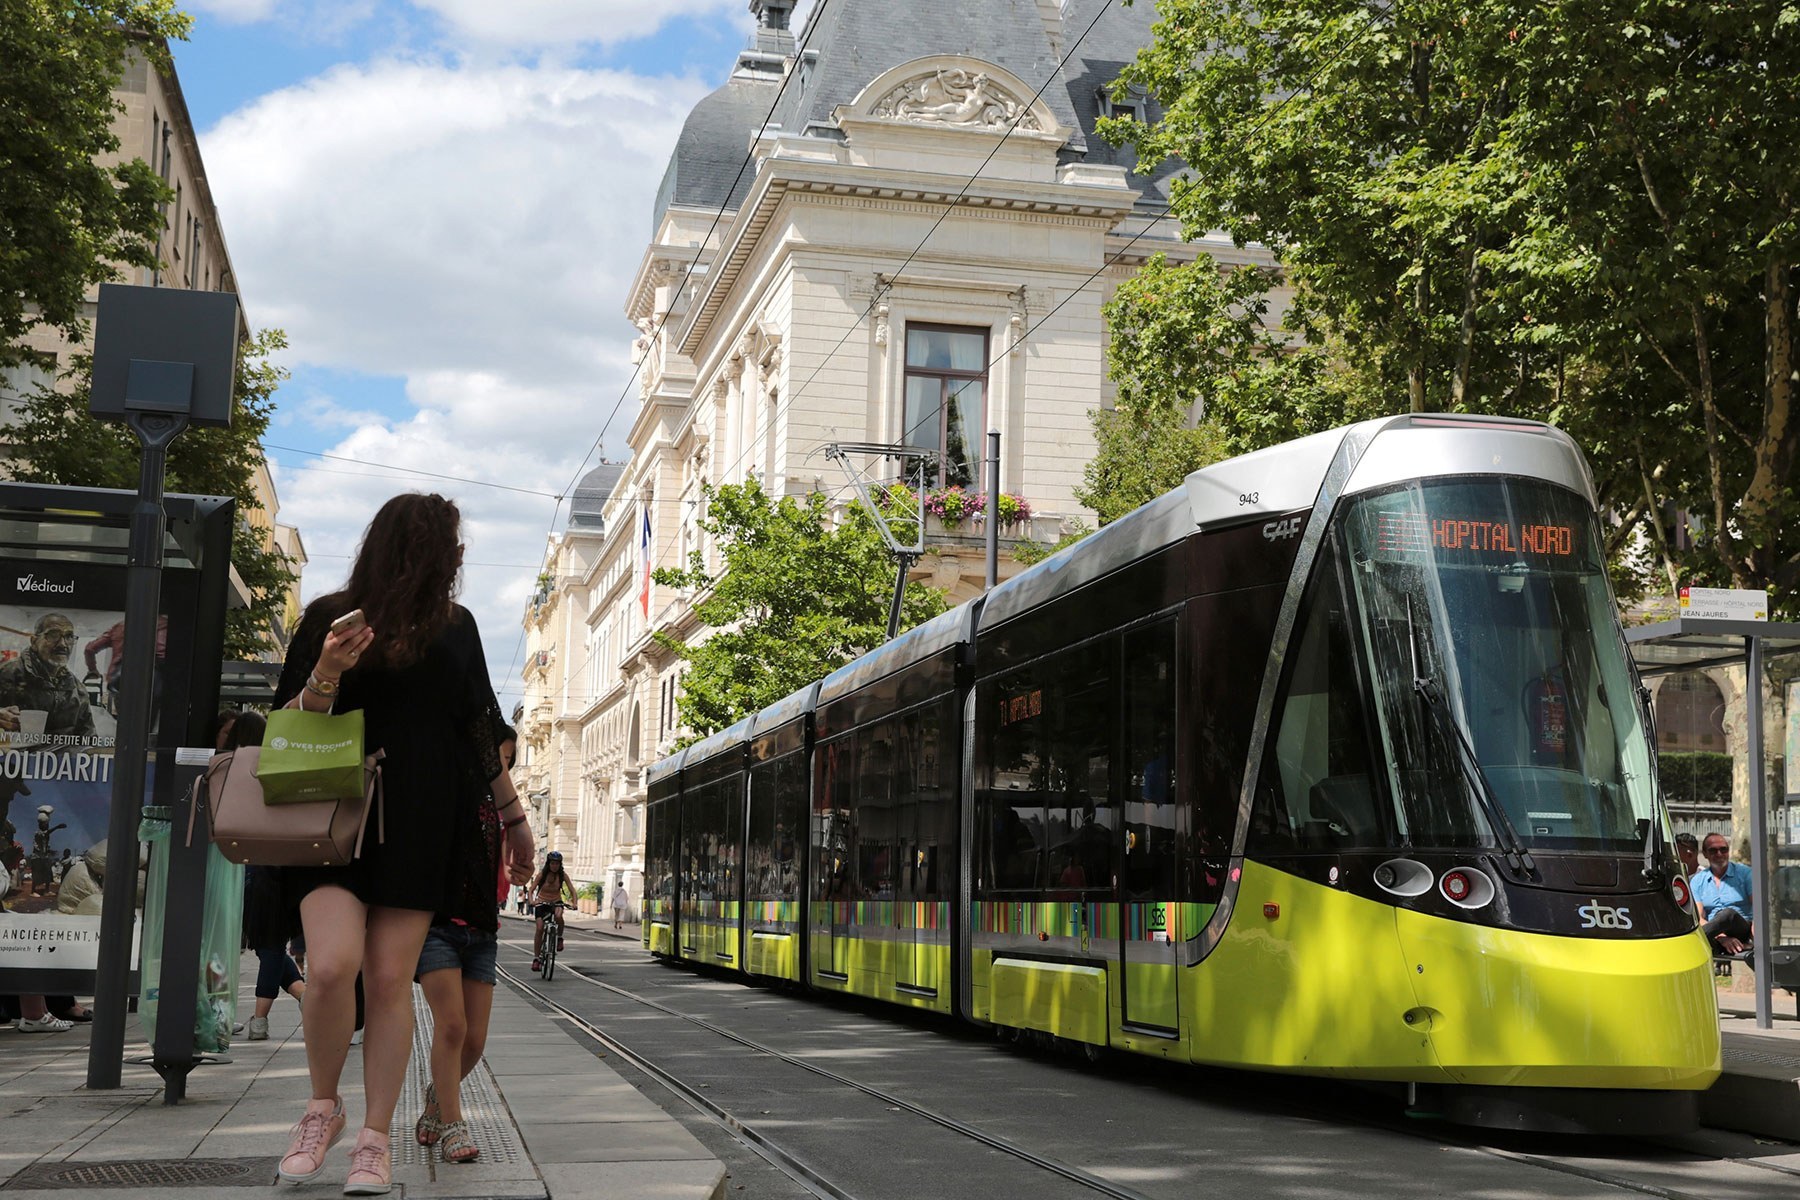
(61, 651)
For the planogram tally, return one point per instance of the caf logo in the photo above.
(279, 743)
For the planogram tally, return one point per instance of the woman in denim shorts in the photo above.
(457, 971)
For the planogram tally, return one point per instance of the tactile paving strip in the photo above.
(489, 1122)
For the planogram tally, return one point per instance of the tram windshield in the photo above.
(1504, 700)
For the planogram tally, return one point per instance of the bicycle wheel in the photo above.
(549, 953)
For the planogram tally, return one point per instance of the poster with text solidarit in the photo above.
(61, 650)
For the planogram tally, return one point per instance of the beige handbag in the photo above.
(315, 833)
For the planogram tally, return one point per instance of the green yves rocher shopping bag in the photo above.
(310, 756)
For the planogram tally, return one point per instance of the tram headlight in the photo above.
(1466, 887)
(1678, 887)
(1403, 877)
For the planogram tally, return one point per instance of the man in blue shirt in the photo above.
(1722, 892)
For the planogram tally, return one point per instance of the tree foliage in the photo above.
(66, 220)
(56, 441)
(1581, 211)
(797, 595)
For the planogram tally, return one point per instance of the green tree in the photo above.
(67, 222)
(56, 441)
(1663, 142)
(1581, 211)
(1200, 375)
(797, 596)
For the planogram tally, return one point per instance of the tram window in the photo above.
(777, 792)
(875, 826)
(1316, 793)
(1080, 827)
(834, 865)
(1152, 833)
(927, 790)
(1010, 797)
(729, 867)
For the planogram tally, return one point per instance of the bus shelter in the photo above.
(1700, 644)
(63, 564)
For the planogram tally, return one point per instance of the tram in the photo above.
(1331, 761)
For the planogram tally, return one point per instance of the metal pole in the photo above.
(993, 509)
(906, 562)
(143, 586)
(1759, 829)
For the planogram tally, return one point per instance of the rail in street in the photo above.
(851, 1102)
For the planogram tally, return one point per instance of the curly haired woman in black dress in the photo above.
(417, 672)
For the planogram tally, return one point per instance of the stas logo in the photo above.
(33, 583)
(1276, 531)
(1595, 915)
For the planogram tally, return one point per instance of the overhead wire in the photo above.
(1153, 220)
(675, 295)
(396, 467)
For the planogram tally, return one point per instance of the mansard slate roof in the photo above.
(591, 495)
(856, 40)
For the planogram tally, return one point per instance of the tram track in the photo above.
(760, 1142)
(797, 1168)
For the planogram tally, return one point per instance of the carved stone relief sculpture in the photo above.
(957, 97)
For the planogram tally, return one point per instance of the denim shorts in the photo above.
(451, 946)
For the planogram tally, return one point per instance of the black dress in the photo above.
(439, 725)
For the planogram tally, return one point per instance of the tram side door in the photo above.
(1149, 876)
(915, 967)
(833, 868)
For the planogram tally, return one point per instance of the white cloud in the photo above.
(473, 231)
(565, 22)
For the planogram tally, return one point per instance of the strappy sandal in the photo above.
(458, 1144)
(431, 1120)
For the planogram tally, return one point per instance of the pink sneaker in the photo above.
(316, 1133)
(371, 1165)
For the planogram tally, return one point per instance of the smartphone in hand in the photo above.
(350, 622)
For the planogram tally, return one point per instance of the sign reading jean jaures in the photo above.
(61, 648)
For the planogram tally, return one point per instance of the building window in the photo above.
(1134, 106)
(946, 397)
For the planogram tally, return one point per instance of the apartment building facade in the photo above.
(152, 123)
(895, 226)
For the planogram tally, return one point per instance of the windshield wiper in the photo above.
(1653, 840)
(1518, 858)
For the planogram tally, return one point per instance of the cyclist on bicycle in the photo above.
(547, 892)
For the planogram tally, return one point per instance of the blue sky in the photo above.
(442, 203)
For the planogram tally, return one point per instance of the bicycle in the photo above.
(553, 933)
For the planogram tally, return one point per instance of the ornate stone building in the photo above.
(916, 250)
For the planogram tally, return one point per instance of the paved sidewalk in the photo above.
(553, 1121)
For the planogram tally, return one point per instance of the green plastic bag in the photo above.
(311, 756)
(215, 1001)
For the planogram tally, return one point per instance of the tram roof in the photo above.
(788, 708)
(1287, 478)
(1162, 522)
(915, 645)
(662, 768)
(729, 738)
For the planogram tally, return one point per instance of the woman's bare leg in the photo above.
(334, 920)
(390, 957)
(444, 992)
(478, 1007)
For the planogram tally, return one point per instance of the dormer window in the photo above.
(1134, 106)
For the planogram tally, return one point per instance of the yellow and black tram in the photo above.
(1331, 761)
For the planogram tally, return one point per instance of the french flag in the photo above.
(644, 550)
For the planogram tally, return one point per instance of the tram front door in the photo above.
(1149, 878)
